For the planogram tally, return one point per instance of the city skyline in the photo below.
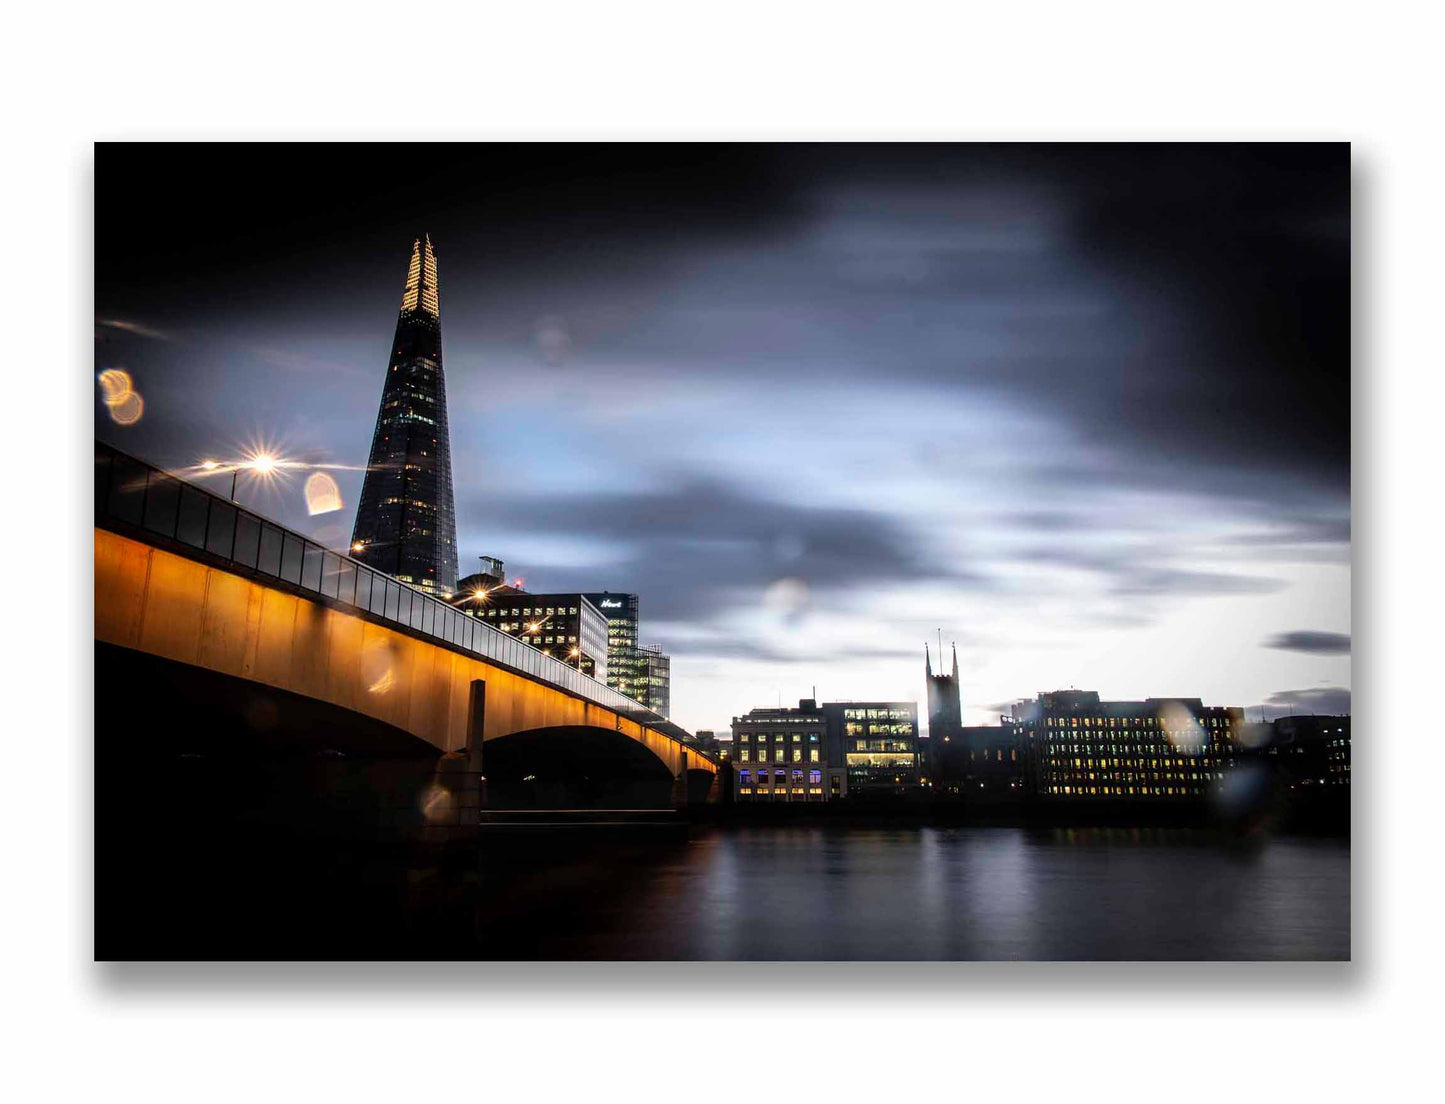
(1083, 408)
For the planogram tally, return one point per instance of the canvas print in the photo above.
(722, 552)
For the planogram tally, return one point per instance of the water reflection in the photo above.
(749, 893)
(960, 893)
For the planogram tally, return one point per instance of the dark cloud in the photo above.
(1159, 581)
(1004, 708)
(699, 548)
(1048, 521)
(1324, 700)
(1312, 643)
(1132, 572)
(1184, 304)
(739, 648)
(1305, 530)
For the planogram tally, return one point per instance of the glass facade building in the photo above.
(406, 522)
(656, 670)
(626, 669)
(878, 743)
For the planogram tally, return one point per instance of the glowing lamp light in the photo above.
(209, 465)
(358, 546)
(263, 464)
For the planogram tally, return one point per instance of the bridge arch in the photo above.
(574, 766)
(154, 596)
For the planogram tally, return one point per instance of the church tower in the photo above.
(945, 711)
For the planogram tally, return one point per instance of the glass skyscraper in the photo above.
(405, 523)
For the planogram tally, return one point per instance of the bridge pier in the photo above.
(458, 791)
(679, 785)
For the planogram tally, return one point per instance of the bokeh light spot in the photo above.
(322, 494)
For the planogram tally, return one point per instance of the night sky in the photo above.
(1083, 408)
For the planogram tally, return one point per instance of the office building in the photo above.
(656, 682)
(1080, 748)
(778, 756)
(626, 670)
(1313, 751)
(878, 745)
(405, 521)
(493, 574)
(567, 626)
(718, 745)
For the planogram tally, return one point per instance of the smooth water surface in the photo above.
(747, 893)
(931, 893)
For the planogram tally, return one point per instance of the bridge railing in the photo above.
(136, 494)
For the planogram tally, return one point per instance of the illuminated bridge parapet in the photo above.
(187, 575)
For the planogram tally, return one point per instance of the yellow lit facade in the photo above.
(1156, 749)
(778, 755)
(421, 279)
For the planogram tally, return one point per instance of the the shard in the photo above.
(405, 523)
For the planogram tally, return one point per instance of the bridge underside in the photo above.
(170, 734)
(577, 767)
(175, 607)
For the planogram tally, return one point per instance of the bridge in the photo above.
(221, 632)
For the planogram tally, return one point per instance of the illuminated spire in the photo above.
(421, 279)
(955, 662)
(927, 663)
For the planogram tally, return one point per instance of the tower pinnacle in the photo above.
(421, 279)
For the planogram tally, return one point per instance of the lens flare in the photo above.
(129, 410)
(1183, 728)
(322, 494)
(120, 397)
(115, 385)
(377, 667)
(789, 598)
(436, 803)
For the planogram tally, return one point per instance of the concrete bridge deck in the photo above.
(187, 576)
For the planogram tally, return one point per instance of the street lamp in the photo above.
(577, 654)
(261, 464)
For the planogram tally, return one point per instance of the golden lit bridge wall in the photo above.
(188, 576)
